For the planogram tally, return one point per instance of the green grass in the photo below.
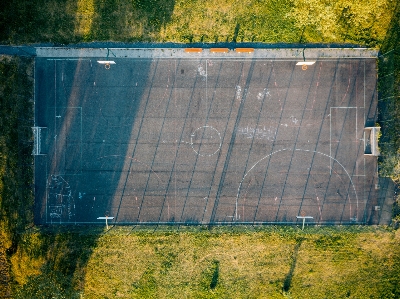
(389, 82)
(389, 108)
(16, 197)
(224, 262)
(362, 22)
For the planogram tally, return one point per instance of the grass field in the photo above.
(191, 262)
(16, 197)
(223, 262)
(362, 22)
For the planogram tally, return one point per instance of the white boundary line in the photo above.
(192, 58)
(356, 131)
(81, 140)
(66, 107)
(345, 107)
(364, 91)
(47, 189)
(34, 124)
(330, 131)
(206, 112)
(55, 114)
(199, 223)
(56, 59)
(239, 58)
(34, 93)
(364, 125)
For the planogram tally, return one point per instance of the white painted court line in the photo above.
(206, 88)
(364, 91)
(67, 59)
(55, 114)
(80, 142)
(296, 149)
(330, 138)
(47, 189)
(344, 107)
(330, 131)
(364, 123)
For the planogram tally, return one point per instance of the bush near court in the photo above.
(363, 22)
(16, 197)
(389, 108)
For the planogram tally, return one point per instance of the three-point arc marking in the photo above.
(289, 149)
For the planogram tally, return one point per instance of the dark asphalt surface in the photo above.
(205, 141)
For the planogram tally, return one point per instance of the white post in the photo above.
(304, 219)
(106, 218)
(236, 209)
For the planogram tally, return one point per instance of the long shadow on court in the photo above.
(88, 111)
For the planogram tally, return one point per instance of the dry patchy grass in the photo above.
(271, 21)
(328, 263)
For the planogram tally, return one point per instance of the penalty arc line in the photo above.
(287, 149)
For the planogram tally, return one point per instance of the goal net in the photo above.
(37, 132)
(371, 137)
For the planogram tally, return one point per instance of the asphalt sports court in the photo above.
(203, 140)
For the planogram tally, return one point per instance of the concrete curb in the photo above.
(296, 53)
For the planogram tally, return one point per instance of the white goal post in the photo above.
(37, 143)
(371, 138)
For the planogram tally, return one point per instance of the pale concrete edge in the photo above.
(299, 53)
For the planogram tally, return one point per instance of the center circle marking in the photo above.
(206, 141)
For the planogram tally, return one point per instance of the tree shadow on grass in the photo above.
(63, 252)
(60, 254)
(388, 105)
(137, 20)
(66, 252)
(64, 22)
(16, 198)
(33, 21)
(288, 279)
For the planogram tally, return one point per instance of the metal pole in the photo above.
(304, 219)
(106, 218)
(236, 208)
